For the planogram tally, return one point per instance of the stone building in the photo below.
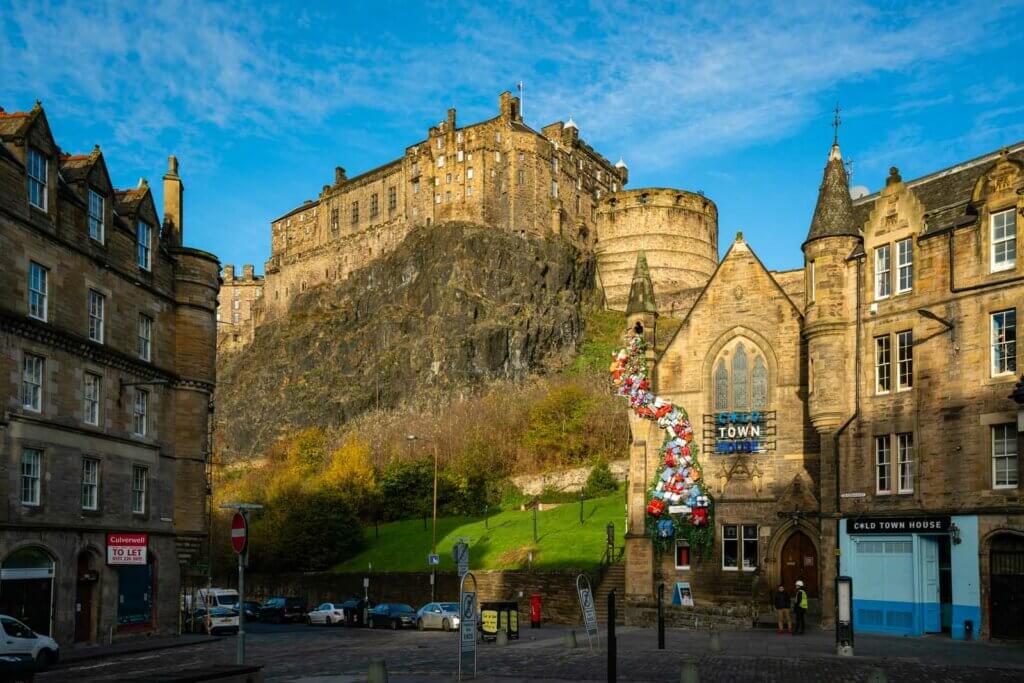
(235, 307)
(107, 347)
(887, 442)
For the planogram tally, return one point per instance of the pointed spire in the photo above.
(641, 291)
(571, 123)
(833, 214)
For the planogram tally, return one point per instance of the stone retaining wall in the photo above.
(567, 480)
(725, 616)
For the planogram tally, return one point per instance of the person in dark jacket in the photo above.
(800, 607)
(781, 601)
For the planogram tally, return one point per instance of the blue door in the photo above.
(930, 585)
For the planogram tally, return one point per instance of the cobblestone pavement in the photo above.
(302, 654)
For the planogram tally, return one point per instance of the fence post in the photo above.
(661, 616)
(612, 665)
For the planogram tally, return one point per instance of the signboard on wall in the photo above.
(897, 525)
(127, 548)
(731, 432)
(683, 594)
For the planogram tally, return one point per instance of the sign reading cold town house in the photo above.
(739, 432)
(127, 548)
(897, 525)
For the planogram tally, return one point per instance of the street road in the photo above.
(311, 654)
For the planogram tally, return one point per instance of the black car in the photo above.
(391, 615)
(355, 611)
(282, 610)
(252, 610)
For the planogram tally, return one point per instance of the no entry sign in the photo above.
(239, 533)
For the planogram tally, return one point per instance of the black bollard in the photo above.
(661, 616)
(612, 669)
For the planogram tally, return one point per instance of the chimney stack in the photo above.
(174, 200)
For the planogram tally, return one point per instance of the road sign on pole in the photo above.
(433, 559)
(467, 622)
(460, 553)
(239, 533)
(587, 605)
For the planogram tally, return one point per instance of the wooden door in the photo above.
(800, 561)
(1007, 587)
(84, 609)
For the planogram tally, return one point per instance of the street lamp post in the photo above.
(433, 540)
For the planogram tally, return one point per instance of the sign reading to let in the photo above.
(127, 548)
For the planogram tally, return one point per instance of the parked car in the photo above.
(252, 610)
(391, 615)
(213, 620)
(327, 613)
(442, 615)
(223, 597)
(282, 610)
(19, 639)
(355, 611)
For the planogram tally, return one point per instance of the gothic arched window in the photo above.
(740, 378)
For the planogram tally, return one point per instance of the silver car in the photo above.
(442, 615)
(328, 613)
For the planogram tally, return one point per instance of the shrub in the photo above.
(600, 482)
(406, 488)
(556, 428)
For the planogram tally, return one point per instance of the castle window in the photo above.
(904, 265)
(448, 196)
(96, 216)
(437, 198)
(554, 188)
(740, 379)
(448, 178)
(458, 137)
(469, 156)
(374, 208)
(497, 157)
(36, 178)
(812, 284)
(334, 220)
(1004, 240)
(497, 136)
(469, 190)
(355, 213)
(520, 177)
(521, 156)
(577, 203)
(469, 173)
(883, 272)
(415, 187)
(615, 187)
(392, 199)
(440, 161)
(459, 155)
(554, 165)
(1004, 342)
(440, 143)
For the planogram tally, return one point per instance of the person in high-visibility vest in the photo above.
(800, 607)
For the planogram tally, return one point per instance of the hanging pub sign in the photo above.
(897, 525)
(730, 432)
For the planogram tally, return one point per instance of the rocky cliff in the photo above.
(455, 304)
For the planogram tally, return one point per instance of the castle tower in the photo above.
(829, 330)
(641, 318)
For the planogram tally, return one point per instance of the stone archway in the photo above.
(27, 586)
(1003, 579)
(777, 545)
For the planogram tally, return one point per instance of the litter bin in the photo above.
(535, 610)
(499, 616)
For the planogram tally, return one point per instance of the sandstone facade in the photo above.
(107, 331)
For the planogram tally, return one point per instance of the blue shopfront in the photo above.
(913, 575)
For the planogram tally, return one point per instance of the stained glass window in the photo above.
(759, 393)
(740, 395)
(721, 387)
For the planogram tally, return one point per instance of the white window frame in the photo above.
(1008, 346)
(144, 245)
(140, 475)
(460, 155)
(469, 173)
(1008, 238)
(97, 227)
(92, 397)
(904, 360)
(1004, 449)
(675, 555)
(30, 481)
(883, 445)
(140, 413)
(36, 170)
(883, 365)
(497, 157)
(883, 272)
(736, 539)
(437, 197)
(905, 265)
(97, 305)
(90, 483)
(33, 370)
(905, 462)
(744, 540)
(145, 341)
(554, 189)
(440, 160)
(38, 291)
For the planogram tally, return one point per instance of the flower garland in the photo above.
(679, 505)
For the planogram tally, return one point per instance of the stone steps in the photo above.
(614, 579)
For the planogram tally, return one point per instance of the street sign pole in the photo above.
(240, 544)
(586, 596)
(467, 621)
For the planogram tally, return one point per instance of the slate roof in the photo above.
(13, 123)
(833, 214)
(76, 167)
(127, 201)
(946, 194)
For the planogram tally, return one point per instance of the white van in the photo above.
(214, 597)
(19, 639)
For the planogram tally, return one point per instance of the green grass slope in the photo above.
(562, 542)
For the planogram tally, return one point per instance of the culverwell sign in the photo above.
(127, 548)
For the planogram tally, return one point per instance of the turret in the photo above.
(831, 293)
(642, 310)
(623, 170)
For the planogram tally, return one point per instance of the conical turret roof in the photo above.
(641, 291)
(833, 214)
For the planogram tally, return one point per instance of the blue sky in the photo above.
(260, 100)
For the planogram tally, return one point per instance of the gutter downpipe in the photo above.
(970, 288)
(856, 412)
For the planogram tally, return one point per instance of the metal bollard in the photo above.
(689, 673)
(378, 672)
(877, 676)
(612, 644)
(569, 640)
(661, 616)
(716, 641)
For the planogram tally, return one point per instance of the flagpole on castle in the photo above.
(521, 89)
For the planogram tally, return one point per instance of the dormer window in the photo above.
(36, 178)
(1004, 240)
(143, 245)
(96, 216)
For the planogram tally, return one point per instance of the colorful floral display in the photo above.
(679, 506)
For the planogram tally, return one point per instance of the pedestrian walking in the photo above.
(800, 607)
(782, 603)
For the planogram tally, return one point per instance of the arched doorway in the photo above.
(1006, 562)
(26, 587)
(800, 562)
(86, 598)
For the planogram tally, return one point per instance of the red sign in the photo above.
(239, 533)
(127, 548)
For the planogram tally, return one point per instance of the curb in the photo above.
(74, 657)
